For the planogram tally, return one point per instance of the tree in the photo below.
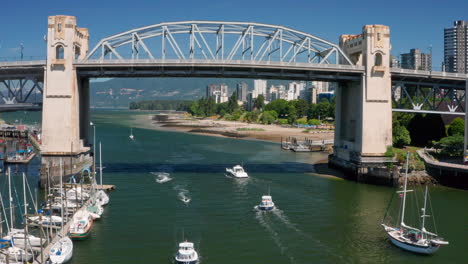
(232, 103)
(401, 136)
(457, 127)
(280, 106)
(451, 146)
(251, 117)
(301, 107)
(259, 102)
(269, 117)
(292, 114)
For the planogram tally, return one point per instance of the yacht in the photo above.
(267, 203)
(413, 239)
(102, 198)
(46, 220)
(17, 236)
(186, 254)
(237, 172)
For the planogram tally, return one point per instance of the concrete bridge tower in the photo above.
(65, 115)
(364, 109)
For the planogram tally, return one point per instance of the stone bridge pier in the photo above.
(65, 115)
(364, 108)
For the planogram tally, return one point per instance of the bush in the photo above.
(282, 121)
(401, 136)
(269, 117)
(314, 122)
(457, 127)
(451, 146)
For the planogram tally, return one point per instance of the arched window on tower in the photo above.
(59, 52)
(378, 59)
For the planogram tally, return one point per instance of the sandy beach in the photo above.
(233, 129)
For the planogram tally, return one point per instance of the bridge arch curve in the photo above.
(218, 41)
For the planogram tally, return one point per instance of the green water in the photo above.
(320, 220)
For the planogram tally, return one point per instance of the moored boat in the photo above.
(81, 225)
(61, 251)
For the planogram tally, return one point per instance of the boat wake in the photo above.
(162, 177)
(183, 194)
(262, 219)
(285, 220)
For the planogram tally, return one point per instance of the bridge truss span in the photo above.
(218, 41)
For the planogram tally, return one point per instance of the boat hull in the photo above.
(414, 248)
(269, 208)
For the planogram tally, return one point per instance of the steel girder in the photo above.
(13, 91)
(433, 98)
(215, 40)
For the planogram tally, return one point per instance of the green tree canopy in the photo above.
(457, 127)
(280, 106)
(259, 102)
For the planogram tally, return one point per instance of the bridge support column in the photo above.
(364, 109)
(65, 115)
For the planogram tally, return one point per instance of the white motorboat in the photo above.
(409, 238)
(102, 198)
(132, 137)
(266, 204)
(61, 251)
(162, 177)
(237, 172)
(16, 236)
(186, 254)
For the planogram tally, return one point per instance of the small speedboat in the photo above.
(61, 251)
(237, 172)
(266, 204)
(131, 134)
(186, 254)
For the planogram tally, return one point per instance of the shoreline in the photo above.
(232, 129)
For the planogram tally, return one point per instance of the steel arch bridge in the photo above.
(218, 41)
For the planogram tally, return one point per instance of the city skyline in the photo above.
(407, 32)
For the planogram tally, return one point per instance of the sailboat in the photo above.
(131, 134)
(409, 238)
(61, 251)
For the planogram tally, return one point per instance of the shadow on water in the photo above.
(135, 167)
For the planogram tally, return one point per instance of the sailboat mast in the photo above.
(24, 194)
(100, 164)
(10, 197)
(424, 213)
(61, 194)
(404, 191)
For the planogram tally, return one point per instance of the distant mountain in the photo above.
(119, 92)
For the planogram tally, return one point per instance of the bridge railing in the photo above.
(216, 62)
(22, 63)
(431, 73)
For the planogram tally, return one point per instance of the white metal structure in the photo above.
(217, 40)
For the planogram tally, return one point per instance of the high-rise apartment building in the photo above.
(416, 60)
(218, 91)
(456, 47)
(242, 89)
(260, 87)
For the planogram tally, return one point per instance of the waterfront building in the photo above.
(456, 47)
(242, 89)
(416, 60)
(217, 91)
(272, 93)
(297, 88)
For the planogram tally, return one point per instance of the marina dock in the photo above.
(306, 145)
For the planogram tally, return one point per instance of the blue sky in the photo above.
(413, 23)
